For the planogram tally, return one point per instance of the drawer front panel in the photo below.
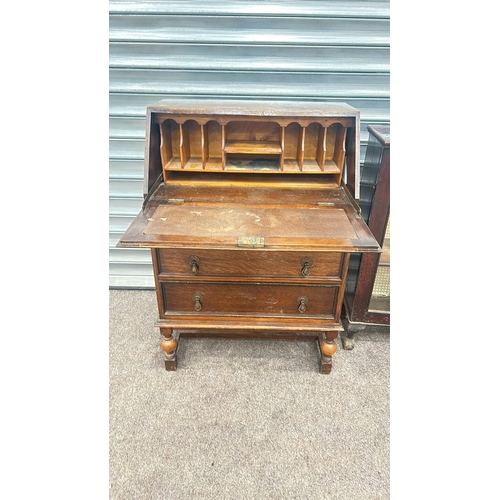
(247, 298)
(179, 262)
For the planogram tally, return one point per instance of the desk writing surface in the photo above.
(292, 223)
(174, 222)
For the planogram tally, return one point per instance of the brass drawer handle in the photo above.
(302, 304)
(197, 302)
(306, 266)
(194, 262)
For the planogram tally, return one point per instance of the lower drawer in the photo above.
(300, 300)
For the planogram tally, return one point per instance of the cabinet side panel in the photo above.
(152, 160)
(339, 148)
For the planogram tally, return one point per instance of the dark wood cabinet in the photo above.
(369, 303)
(249, 221)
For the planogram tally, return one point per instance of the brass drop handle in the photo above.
(306, 266)
(302, 304)
(197, 302)
(194, 262)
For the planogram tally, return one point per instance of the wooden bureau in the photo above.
(249, 220)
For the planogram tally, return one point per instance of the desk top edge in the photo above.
(263, 107)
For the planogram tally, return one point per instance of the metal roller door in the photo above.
(336, 50)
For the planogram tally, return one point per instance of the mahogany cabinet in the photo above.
(249, 220)
(369, 303)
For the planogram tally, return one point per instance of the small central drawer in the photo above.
(248, 263)
(222, 298)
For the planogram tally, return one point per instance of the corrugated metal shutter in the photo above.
(336, 50)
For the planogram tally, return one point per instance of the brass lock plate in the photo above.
(251, 242)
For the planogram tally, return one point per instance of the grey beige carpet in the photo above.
(243, 419)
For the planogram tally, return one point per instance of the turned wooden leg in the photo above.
(327, 347)
(169, 346)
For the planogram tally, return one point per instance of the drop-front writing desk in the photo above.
(249, 221)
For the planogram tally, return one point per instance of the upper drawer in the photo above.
(248, 263)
